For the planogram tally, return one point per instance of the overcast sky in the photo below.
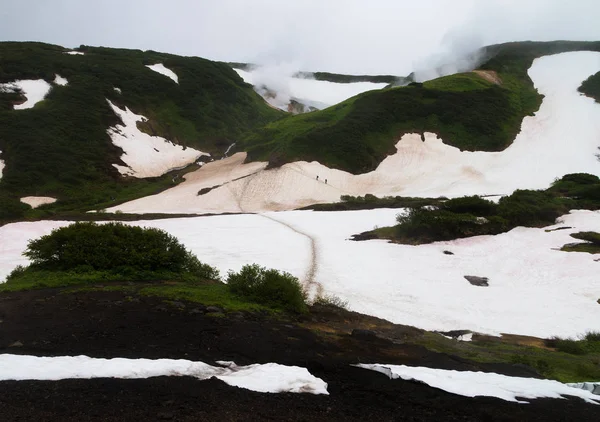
(347, 36)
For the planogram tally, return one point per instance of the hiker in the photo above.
(317, 177)
(325, 181)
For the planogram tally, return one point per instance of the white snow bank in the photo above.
(59, 80)
(562, 137)
(534, 288)
(160, 68)
(145, 155)
(592, 387)
(265, 378)
(75, 53)
(473, 384)
(36, 201)
(319, 94)
(35, 90)
(2, 165)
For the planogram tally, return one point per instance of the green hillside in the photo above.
(466, 110)
(61, 148)
(591, 87)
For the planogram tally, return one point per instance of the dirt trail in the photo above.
(314, 288)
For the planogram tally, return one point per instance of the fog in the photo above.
(346, 36)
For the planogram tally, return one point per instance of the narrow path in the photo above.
(313, 288)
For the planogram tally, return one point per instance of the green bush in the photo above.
(429, 225)
(470, 205)
(531, 208)
(127, 250)
(268, 287)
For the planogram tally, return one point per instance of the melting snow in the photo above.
(160, 68)
(473, 384)
(145, 155)
(534, 288)
(264, 378)
(35, 90)
(117, 90)
(75, 53)
(36, 201)
(59, 80)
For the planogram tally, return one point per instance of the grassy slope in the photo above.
(61, 148)
(468, 113)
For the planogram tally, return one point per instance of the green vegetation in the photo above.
(459, 82)
(268, 287)
(473, 216)
(88, 252)
(588, 344)
(591, 244)
(547, 359)
(60, 147)
(369, 202)
(591, 87)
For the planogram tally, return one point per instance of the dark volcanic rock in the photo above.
(478, 281)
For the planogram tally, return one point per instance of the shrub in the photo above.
(127, 250)
(331, 300)
(431, 225)
(268, 287)
(470, 205)
(531, 208)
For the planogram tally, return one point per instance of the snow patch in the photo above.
(36, 201)
(59, 80)
(264, 378)
(75, 53)
(279, 89)
(473, 384)
(117, 90)
(35, 90)
(145, 155)
(2, 165)
(160, 68)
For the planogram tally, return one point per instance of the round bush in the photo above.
(268, 287)
(115, 247)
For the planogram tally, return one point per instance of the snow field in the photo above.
(472, 384)
(35, 90)
(319, 94)
(264, 378)
(534, 288)
(36, 201)
(145, 155)
(561, 138)
(160, 68)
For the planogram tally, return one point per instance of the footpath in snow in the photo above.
(534, 288)
(264, 378)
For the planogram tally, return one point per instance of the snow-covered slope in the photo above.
(563, 137)
(35, 90)
(318, 94)
(145, 155)
(473, 384)
(160, 68)
(264, 378)
(534, 289)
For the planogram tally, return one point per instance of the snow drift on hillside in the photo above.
(264, 378)
(34, 90)
(59, 80)
(534, 289)
(314, 93)
(160, 68)
(36, 201)
(1, 166)
(75, 53)
(473, 384)
(145, 155)
(563, 137)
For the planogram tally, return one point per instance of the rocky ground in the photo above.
(120, 324)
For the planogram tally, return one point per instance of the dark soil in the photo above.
(117, 324)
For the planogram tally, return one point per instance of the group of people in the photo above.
(318, 179)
